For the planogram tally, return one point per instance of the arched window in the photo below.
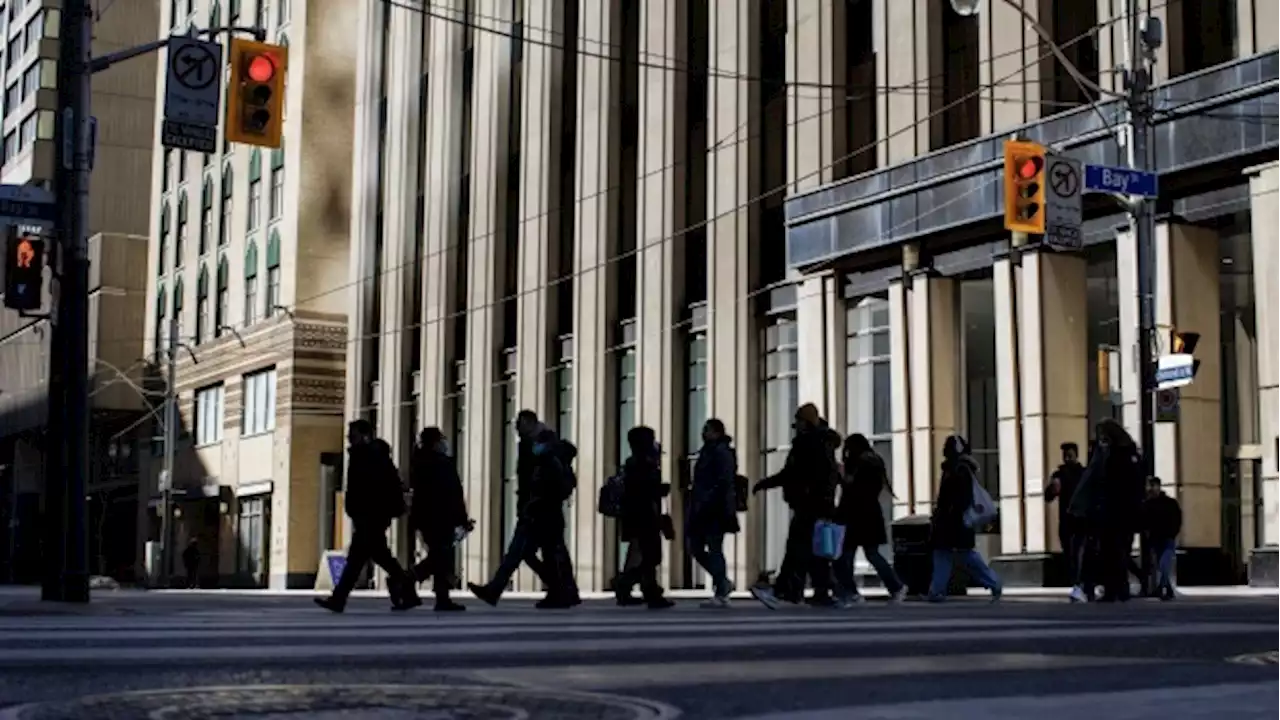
(180, 237)
(222, 304)
(177, 303)
(224, 227)
(235, 11)
(277, 181)
(206, 215)
(161, 331)
(251, 284)
(255, 190)
(273, 273)
(202, 305)
(162, 246)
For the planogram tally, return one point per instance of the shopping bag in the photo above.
(828, 539)
(983, 511)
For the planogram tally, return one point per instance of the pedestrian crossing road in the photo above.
(215, 656)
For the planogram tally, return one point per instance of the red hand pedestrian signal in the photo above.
(24, 271)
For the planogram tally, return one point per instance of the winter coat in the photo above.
(1069, 476)
(1110, 493)
(712, 504)
(374, 495)
(955, 497)
(860, 510)
(808, 479)
(1161, 519)
(544, 491)
(525, 463)
(642, 493)
(439, 504)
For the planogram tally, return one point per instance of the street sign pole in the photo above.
(1139, 82)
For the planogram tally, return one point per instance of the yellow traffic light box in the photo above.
(1024, 168)
(255, 93)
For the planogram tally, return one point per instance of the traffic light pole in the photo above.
(170, 436)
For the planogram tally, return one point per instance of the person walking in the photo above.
(526, 537)
(859, 511)
(952, 535)
(641, 521)
(438, 510)
(1071, 531)
(1161, 523)
(1109, 499)
(807, 480)
(374, 497)
(713, 509)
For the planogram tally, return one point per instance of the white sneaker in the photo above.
(716, 603)
(1077, 595)
(765, 595)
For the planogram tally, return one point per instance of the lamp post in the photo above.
(1137, 98)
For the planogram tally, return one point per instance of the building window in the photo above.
(182, 167)
(224, 226)
(282, 12)
(277, 183)
(209, 415)
(161, 332)
(234, 13)
(626, 386)
(508, 442)
(180, 237)
(206, 216)
(564, 389)
(178, 303)
(251, 284)
(202, 305)
(251, 539)
(259, 393)
(222, 304)
(273, 274)
(166, 157)
(781, 398)
(255, 190)
(868, 392)
(163, 244)
(978, 353)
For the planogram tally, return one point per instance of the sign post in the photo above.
(192, 94)
(1064, 207)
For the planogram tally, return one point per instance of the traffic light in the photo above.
(255, 94)
(1024, 164)
(1184, 343)
(23, 271)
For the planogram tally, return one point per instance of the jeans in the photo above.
(848, 586)
(799, 562)
(527, 539)
(369, 544)
(708, 550)
(971, 560)
(1166, 553)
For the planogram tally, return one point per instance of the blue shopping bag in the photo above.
(828, 539)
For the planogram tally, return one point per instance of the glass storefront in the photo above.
(781, 398)
(978, 416)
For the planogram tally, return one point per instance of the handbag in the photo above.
(828, 540)
(983, 511)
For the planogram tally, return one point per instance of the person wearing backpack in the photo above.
(953, 532)
(374, 497)
(713, 508)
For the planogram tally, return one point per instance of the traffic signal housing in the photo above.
(255, 93)
(1184, 343)
(1024, 168)
(23, 271)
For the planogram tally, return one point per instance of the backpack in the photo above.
(609, 503)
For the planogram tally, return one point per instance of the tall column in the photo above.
(599, 30)
(442, 191)
(815, 112)
(820, 323)
(1005, 283)
(733, 244)
(1005, 74)
(660, 216)
(934, 351)
(1264, 182)
(1053, 333)
(490, 141)
(900, 398)
(902, 34)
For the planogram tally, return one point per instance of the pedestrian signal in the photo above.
(1024, 164)
(255, 95)
(1184, 343)
(24, 271)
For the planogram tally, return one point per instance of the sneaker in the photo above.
(716, 603)
(897, 596)
(765, 595)
(485, 593)
(850, 602)
(629, 601)
(331, 604)
(1077, 595)
(406, 603)
(659, 603)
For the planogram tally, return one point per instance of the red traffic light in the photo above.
(1029, 167)
(261, 69)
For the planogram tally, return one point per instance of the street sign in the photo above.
(1123, 181)
(1064, 208)
(1167, 405)
(192, 95)
(26, 205)
(1174, 371)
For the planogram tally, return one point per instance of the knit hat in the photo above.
(808, 413)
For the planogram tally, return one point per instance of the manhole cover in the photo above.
(369, 702)
(1263, 658)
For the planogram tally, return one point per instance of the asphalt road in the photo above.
(136, 655)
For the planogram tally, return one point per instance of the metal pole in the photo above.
(1144, 229)
(65, 511)
(169, 435)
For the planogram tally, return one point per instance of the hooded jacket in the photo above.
(864, 479)
(439, 504)
(712, 504)
(955, 497)
(374, 495)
